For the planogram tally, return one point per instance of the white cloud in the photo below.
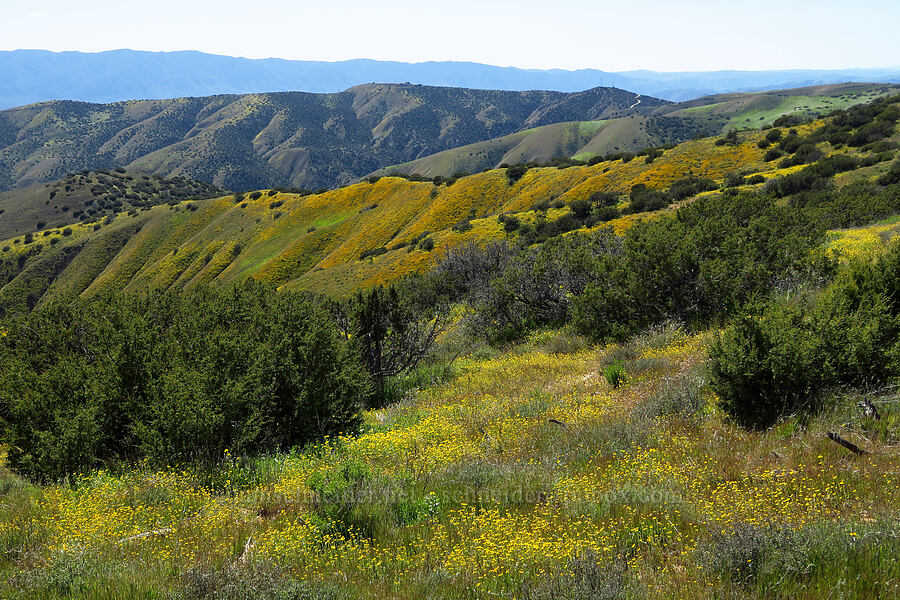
(37, 15)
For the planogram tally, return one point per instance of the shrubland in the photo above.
(615, 413)
(169, 379)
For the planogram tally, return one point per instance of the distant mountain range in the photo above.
(28, 76)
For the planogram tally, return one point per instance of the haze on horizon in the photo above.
(692, 35)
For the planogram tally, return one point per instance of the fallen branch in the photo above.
(848, 445)
(555, 422)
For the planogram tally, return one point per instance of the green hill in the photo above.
(677, 379)
(92, 195)
(343, 240)
(289, 139)
(665, 125)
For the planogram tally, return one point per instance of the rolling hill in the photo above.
(665, 125)
(340, 241)
(321, 140)
(287, 139)
(92, 195)
(39, 75)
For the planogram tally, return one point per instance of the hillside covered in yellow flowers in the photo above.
(669, 375)
(316, 241)
(521, 474)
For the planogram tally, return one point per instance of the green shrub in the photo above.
(644, 199)
(764, 369)
(580, 208)
(173, 378)
(774, 135)
(372, 252)
(510, 223)
(689, 186)
(773, 154)
(516, 172)
(710, 259)
(615, 374)
(892, 176)
(783, 361)
(733, 179)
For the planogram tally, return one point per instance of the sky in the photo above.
(685, 35)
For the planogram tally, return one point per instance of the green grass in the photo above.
(659, 538)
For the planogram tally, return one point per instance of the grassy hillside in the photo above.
(364, 234)
(522, 474)
(289, 138)
(713, 414)
(665, 125)
(92, 195)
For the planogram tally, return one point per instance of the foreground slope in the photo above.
(525, 474)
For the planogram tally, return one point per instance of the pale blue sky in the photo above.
(610, 35)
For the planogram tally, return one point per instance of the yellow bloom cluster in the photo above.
(506, 478)
(863, 241)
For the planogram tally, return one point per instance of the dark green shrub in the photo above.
(580, 208)
(606, 213)
(730, 139)
(710, 259)
(510, 223)
(755, 180)
(516, 172)
(602, 198)
(765, 369)
(784, 360)
(463, 226)
(871, 132)
(173, 378)
(773, 154)
(393, 329)
(804, 154)
(790, 143)
(774, 135)
(787, 121)
(892, 176)
(733, 179)
(644, 199)
(689, 186)
(372, 252)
